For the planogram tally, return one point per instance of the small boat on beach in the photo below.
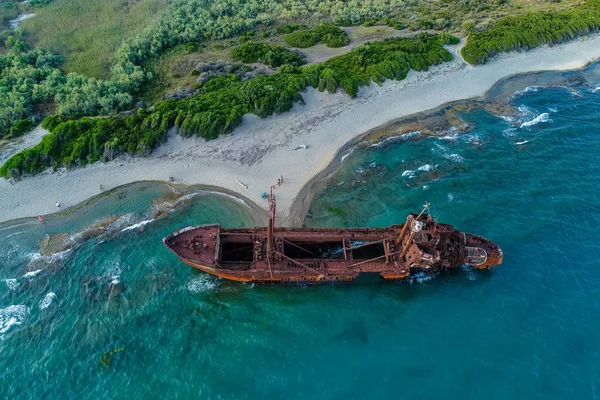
(326, 255)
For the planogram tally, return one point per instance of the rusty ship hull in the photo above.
(329, 255)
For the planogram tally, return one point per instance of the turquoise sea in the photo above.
(118, 316)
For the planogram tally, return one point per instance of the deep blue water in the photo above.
(525, 330)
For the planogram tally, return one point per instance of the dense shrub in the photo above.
(532, 30)
(30, 77)
(268, 54)
(302, 39)
(329, 34)
(223, 102)
(87, 140)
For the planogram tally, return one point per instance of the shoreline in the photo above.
(260, 150)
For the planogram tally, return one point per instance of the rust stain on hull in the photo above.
(320, 255)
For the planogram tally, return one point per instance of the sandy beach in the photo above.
(260, 150)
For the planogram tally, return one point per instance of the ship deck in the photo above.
(305, 254)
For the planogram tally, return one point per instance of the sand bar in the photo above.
(260, 150)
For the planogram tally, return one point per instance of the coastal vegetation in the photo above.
(532, 30)
(329, 34)
(32, 85)
(222, 103)
(268, 54)
(95, 59)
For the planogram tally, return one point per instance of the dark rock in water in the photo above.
(60, 242)
(54, 244)
(576, 80)
(113, 289)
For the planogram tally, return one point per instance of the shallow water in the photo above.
(527, 329)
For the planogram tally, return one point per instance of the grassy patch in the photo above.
(173, 70)
(88, 32)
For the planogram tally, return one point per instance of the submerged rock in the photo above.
(107, 357)
(60, 242)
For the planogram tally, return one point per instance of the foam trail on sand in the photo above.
(349, 152)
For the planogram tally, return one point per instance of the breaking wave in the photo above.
(12, 316)
(47, 300)
(426, 168)
(403, 137)
(137, 226)
(32, 274)
(528, 89)
(544, 117)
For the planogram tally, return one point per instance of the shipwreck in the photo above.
(328, 255)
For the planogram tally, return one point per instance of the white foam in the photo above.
(11, 283)
(410, 173)
(12, 316)
(544, 117)
(454, 157)
(443, 151)
(450, 197)
(510, 132)
(506, 118)
(31, 274)
(47, 300)
(527, 90)
(402, 137)
(426, 168)
(344, 156)
(522, 142)
(138, 225)
(201, 284)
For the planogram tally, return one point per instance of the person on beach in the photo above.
(41, 219)
(58, 204)
(101, 188)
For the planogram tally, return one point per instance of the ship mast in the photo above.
(415, 226)
(271, 224)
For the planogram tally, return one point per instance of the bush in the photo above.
(329, 34)
(20, 127)
(302, 39)
(269, 54)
